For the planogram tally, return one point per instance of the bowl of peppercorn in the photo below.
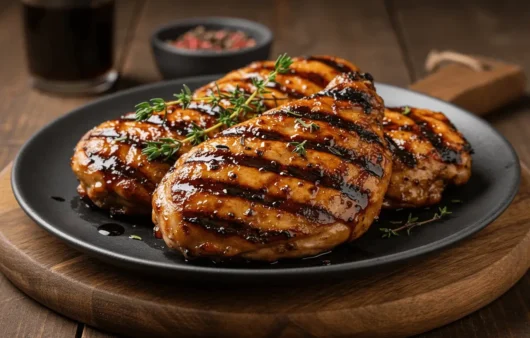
(211, 45)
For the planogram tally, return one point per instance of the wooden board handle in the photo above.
(476, 83)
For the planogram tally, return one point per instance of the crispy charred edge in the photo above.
(403, 155)
(333, 120)
(447, 153)
(119, 169)
(325, 145)
(309, 173)
(223, 227)
(332, 62)
(356, 96)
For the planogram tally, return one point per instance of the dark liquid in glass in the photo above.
(69, 44)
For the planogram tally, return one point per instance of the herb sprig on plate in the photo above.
(413, 222)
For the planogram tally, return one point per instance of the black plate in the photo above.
(42, 170)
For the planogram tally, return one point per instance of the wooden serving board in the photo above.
(424, 295)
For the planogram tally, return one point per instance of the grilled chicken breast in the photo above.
(295, 181)
(429, 153)
(108, 161)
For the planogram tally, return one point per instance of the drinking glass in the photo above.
(69, 44)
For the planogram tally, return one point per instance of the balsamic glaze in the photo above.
(349, 94)
(326, 146)
(308, 173)
(313, 213)
(333, 120)
(233, 227)
(406, 157)
(57, 198)
(111, 229)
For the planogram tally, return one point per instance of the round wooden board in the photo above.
(414, 299)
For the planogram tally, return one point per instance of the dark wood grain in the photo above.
(499, 30)
(20, 316)
(89, 332)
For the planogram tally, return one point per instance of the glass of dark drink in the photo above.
(69, 44)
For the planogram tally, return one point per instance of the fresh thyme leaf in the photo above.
(456, 201)
(413, 222)
(197, 135)
(282, 64)
(387, 232)
(135, 237)
(334, 151)
(311, 126)
(121, 139)
(226, 118)
(184, 97)
(158, 104)
(166, 147)
(406, 110)
(290, 112)
(412, 219)
(299, 147)
(143, 111)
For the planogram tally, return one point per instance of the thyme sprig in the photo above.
(299, 147)
(412, 222)
(240, 104)
(311, 126)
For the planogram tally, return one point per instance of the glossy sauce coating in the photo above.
(247, 193)
(429, 153)
(115, 175)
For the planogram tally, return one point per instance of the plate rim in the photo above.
(200, 271)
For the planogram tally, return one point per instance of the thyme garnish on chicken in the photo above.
(311, 126)
(299, 147)
(240, 102)
(413, 222)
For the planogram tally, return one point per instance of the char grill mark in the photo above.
(315, 78)
(405, 156)
(333, 120)
(112, 168)
(325, 146)
(308, 173)
(213, 223)
(338, 66)
(350, 94)
(310, 212)
(447, 154)
(292, 93)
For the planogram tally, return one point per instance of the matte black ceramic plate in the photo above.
(42, 177)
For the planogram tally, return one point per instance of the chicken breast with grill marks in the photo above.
(429, 153)
(296, 181)
(108, 161)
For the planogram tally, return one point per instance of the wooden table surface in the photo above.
(390, 39)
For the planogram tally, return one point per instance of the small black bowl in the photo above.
(176, 62)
